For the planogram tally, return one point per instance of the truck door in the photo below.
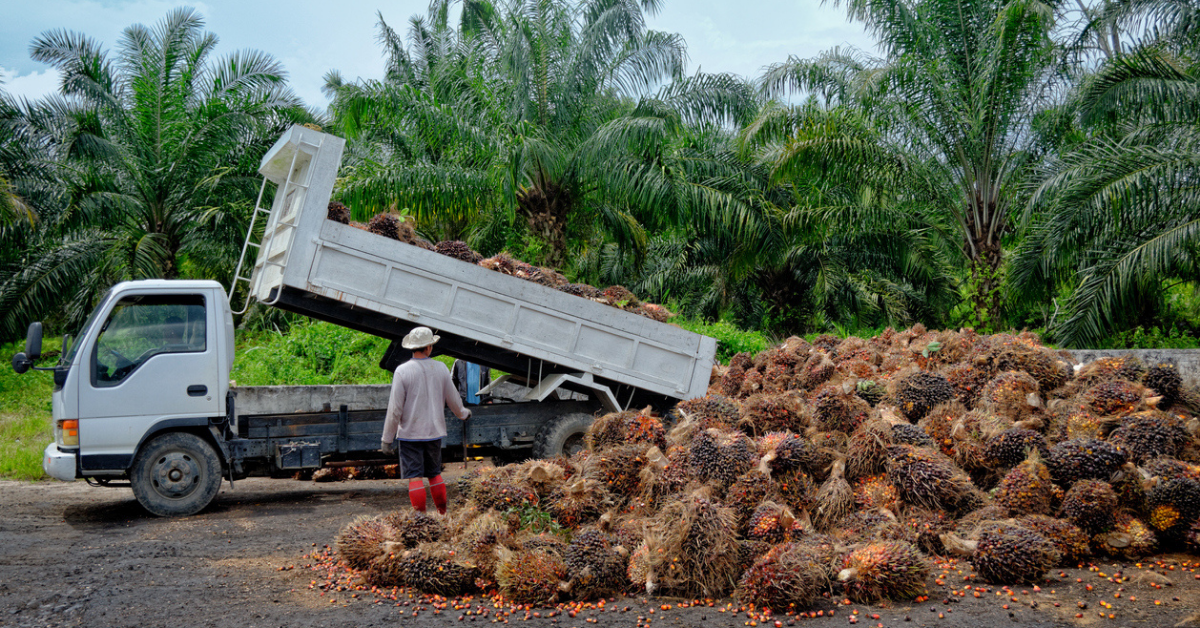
(154, 359)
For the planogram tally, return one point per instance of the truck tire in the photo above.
(175, 475)
(562, 435)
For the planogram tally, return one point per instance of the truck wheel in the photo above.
(175, 475)
(562, 436)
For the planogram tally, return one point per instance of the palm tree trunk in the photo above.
(546, 209)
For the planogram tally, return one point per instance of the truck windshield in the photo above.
(91, 320)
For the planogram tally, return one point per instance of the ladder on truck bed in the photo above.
(293, 191)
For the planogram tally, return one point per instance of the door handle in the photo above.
(197, 390)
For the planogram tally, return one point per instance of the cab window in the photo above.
(141, 327)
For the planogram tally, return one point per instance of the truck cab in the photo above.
(153, 358)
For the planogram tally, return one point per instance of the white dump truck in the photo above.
(142, 395)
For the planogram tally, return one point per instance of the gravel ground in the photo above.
(73, 555)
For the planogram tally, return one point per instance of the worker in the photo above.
(469, 378)
(421, 387)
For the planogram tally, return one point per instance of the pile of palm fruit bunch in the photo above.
(839, 467)
(400, 228)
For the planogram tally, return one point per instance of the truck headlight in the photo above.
(67, 432)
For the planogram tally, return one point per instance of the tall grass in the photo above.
(25, 427)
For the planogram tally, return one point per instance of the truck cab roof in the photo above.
(168, 284)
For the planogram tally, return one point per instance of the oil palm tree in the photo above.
(1117, 216)
(947, 107)
(154, 147)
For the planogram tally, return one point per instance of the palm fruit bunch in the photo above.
(1072, 543)
(576, 502)
(434, 569)
(581, 290)
(1164, 380)
(1128, 367)
(1008, 554)
(1149, 434)
(772, 523)
(1010, 447)
(617, 468)
(862, 526)
(720, 457)
(1025, 356)
(749, 551)
(941, 423)
(542, 542)
(752, 383)
(928, 479)
(836, 409)
(884, 570)
(500, 493)
(1075, 423)
(1028, 489)
(413, 527)
(386, 225)
(338, 212)
(1173, 504)
(1083, 459)
(711, 411)
(909, 434)
(502, 263)
(857, 368)
(1167, 468)
(875, 491)
(794, 488)
(641, 570)
(792, 452)
(458, 250)
(620, 296)
(595, 564)
(642, 428)
(745, 494)
(787, 577)
(920, 392)
(529, 576)
(770, 413)
(927, 527)
(816, 370)
(1090, 504)
(870, 391)
(835, 499)
(361, 540)
(1009, 394)
(1129, 539)
(1116, 397)
(694, 548)
(967, 381)
(479, 540)
(866, 450)
(609, 430)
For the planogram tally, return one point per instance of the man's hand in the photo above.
(387, 448)
(468, 415)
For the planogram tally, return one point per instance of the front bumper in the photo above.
(58, 464)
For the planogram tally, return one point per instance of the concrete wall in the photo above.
(1186, 360)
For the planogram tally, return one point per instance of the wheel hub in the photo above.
(175, 474)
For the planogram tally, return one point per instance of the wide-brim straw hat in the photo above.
(419, 338)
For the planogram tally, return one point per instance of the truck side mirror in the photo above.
(20, 363)
(33, 342)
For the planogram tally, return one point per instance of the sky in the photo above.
(311, 37)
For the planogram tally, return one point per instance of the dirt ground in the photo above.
(73, 555)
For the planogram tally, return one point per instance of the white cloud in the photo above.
(32, 86)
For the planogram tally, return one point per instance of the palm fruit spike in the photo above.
(1083, 459)
(920, 392)
(1010, 554)
(711, 411)
(788, 576)
(867, 448)
(749, 551)
(1071, 542)
(1173, 504)
(890, 570)
(967, 382)
(720, 457)
(641, 570)
(1129, 539)
(595, 565)
(432, 568)
(927, 479)
(608, 431)
(361, 540)
(835, 498)
(386, 225)
(745, 494)
(731, 381)
(387, 569)
(1028, 489)
(413, 527)
(499, 493)
(1010, 447)
(1149, 434)
(529, 577)
(816, 370)
(909, 434)
(1164, 380)
(581, 290)
(1090, 504)
(795, 488)
(1011, 394)
(339, 213)
(642, 428)
(1116, 397)
(693, 547)
(618, 468)
(771, 523)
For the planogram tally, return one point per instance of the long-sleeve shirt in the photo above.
(420, 388)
